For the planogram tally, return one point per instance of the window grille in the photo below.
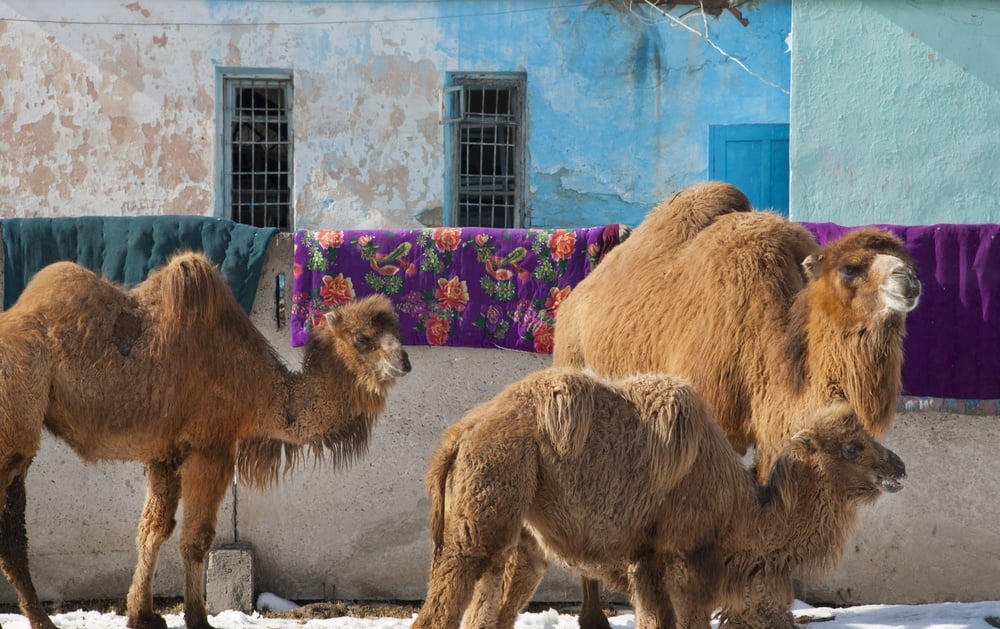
(257, 150)
(488, 152)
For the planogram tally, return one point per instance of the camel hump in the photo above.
(679, 219)
(189, 288)
(564, 400)
(677, 420)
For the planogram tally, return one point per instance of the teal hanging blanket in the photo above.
(125, 249)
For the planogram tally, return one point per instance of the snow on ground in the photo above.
(937, 616)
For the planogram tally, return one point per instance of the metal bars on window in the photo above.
(488, 115)
(257, 174)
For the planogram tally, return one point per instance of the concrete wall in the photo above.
(894, 109)
(110, 108)
(362, 533)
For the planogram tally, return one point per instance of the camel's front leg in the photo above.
(163, 487)
(653, 607)
(205, 477)
(14, 551)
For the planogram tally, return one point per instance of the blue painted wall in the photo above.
(896, 111)
(619, 103)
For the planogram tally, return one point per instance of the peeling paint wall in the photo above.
(895, 110)
(110, 107)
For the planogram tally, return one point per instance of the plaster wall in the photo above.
(110, 108)
(893, 112)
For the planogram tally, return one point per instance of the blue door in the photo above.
(754, 158)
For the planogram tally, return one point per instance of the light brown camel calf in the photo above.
(633, 482)
(174, 374)
(767, 326)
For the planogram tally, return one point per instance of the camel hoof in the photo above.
(146, 621)
(594, 621)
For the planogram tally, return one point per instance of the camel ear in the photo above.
(334, 317)
(810, 266)
(806, 439)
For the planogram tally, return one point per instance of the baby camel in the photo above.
(634, 483)
(173, 373)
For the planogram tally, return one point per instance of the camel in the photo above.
(174, 374)
(767, 326)
(633, 482)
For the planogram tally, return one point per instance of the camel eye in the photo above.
(362, 341)
(851, 450)
(850, 272)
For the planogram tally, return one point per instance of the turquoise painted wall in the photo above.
(895, 111)
(619, 103)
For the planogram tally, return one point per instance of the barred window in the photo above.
(257, 150)
(487, 157)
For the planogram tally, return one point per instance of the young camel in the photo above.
(676, 520)
(174, 374)
(767, 326)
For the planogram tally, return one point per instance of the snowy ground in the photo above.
(939, 616)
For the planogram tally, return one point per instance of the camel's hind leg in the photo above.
(163, 487)
(507, 586)
(205, 478)
(591, 614)
(491, 487)
(522, 572)
(14, 546)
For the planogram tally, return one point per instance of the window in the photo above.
(486, 149)
(257, 149)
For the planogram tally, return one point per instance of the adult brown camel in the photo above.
(676, 520)
(174, 374)
(766, 325)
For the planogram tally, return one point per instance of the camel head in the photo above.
(365, 335)
(864, 276)
(835, 445)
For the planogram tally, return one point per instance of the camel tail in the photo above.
(436, 481)
(191, 289)
(678, 421)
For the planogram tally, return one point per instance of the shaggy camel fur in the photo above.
(765, 325)
(174, 374)
(634, 482)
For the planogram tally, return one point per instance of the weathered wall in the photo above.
(110, 108)
(894, 112)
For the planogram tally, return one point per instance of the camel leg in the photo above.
(155, 525)
(653, 608)
(487, 596)
(523, 572)
(591, 614)
(506, 586)
(205, 477)
(14, 547)
(482, 528)
(449, 590)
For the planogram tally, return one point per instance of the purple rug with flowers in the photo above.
(495, 288)
(469, 287)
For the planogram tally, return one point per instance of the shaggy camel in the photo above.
(634, 482)
(765, 325)
(174, 374)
